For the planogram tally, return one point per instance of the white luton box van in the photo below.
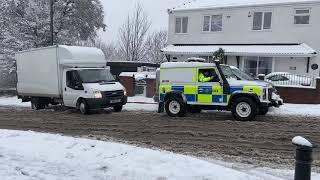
(73, 76)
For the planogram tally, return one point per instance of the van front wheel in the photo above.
(175, 107)
(83, 107)
(244, 109)
(117, 108)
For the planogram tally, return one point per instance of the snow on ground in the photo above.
(30, 155)
(141, 103)
(137, 104)
(297, 109)
(13, 101)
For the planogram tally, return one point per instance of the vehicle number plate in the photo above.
(115, 101)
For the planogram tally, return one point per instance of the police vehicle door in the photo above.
(210, 90)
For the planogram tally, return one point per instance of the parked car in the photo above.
(285, 78)
(73, 76)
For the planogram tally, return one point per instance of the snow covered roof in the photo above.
(185, 64)
(211, 4)
(139, 75)
(301, 50)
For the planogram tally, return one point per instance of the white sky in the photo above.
(116, 12)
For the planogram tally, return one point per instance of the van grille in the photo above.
(113, 94)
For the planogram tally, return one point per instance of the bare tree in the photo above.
(155, 42)
(132, 35)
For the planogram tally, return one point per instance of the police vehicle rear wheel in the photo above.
(175, 107)
(244, 109)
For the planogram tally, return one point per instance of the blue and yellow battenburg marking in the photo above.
(206, 94)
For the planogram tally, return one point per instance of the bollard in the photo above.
(303, 158)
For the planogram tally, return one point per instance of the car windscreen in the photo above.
(95, 76)
(235, 73)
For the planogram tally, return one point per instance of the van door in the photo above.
(72, 88)
(210, 90)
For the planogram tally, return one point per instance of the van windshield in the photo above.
(235, 73)
(95, 76)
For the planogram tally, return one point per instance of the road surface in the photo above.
(264, 142)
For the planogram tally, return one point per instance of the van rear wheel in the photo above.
(175, 107)
(244, 109)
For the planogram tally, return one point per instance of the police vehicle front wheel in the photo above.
(175, 107)
(244, 109)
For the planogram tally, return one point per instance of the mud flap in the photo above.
(161, 107)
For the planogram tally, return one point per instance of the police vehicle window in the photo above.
(235, 73)
(208, 75)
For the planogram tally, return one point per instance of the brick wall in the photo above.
(297, 95)
(129, 83)
(151, 88)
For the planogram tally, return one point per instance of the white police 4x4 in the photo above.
(181, 90)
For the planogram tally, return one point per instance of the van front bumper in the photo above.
(106, 102)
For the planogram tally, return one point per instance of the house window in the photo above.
(207, 58)
(181, 25)
(212, 23)
(302, 16)
(262, 20)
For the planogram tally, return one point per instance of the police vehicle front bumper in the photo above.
(274, 100)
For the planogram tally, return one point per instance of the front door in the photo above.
(209, 87)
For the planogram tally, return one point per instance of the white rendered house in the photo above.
(258, 36)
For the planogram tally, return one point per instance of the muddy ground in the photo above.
(264, 142)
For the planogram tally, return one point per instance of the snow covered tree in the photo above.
(26, 24)
(133, 34)
(155, 42)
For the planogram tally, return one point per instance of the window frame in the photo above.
(305, 14)
(262, 20)
(210, 23)
(181, 24)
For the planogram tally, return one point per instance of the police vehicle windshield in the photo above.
(231, 72)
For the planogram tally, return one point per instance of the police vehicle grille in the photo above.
(270, 91)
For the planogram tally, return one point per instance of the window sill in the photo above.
(211, 32)
(181, 33)
(263, 30)
(302, 25)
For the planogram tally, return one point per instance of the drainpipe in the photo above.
(308, 64)
(238, 62)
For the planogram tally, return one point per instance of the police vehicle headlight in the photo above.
(264, 93)
(97, 95)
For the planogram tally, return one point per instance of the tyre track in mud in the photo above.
(264, 142)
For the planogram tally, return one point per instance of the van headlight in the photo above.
(97, 95)
(125, 92)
